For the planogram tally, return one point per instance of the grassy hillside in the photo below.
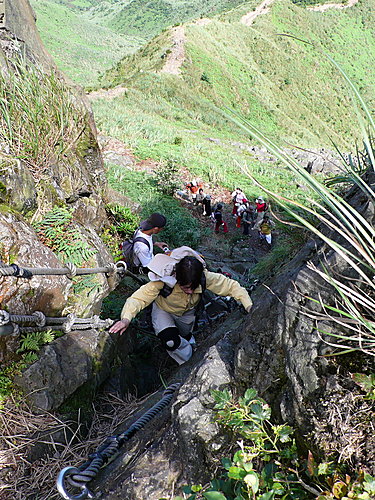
(87, 37)
(149, 17)
(81, 48)
(284, 87)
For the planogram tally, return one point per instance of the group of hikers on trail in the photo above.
(199, 197)
(178, 280)
(251, 216)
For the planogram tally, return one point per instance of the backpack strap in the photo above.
(141, 240)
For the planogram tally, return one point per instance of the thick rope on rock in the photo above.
(79, 477)
(42, 323)
(70, 270)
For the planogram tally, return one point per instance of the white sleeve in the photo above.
(143, 253)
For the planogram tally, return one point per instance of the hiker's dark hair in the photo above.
(189, 272)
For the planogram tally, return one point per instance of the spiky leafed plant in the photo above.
(349, 234)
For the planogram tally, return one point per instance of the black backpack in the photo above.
(127, 248)
(218, 216)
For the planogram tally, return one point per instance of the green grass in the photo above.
(38, 120)
(181, 228)
(148, 17)
(282, 86)
(81, 48)
(87, 37)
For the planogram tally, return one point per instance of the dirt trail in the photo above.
(176, 57)
(262, 8)
(107, 93)
(326, 6)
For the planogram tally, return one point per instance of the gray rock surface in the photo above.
(67, 364)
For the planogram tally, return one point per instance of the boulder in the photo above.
(65, 365)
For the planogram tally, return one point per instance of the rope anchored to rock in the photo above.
(70, 270)
(79, 477)
(42, 322)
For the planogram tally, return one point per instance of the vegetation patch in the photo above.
(58, 232)
(38, 120)
(181, 228)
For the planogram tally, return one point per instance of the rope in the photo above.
(70, 270)
(79, 477)
(42, 322)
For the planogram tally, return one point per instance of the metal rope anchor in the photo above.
(61, 488)
(79, 477)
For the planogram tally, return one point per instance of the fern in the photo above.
(123, 220)
(29, 358)
(35, 340)
(57, 231)
(86, 284)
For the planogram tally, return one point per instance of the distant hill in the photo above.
(81, 47)
(283, 86)
(86, 37)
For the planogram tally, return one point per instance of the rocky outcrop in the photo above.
(18, 34)
(277, 351)
(65, 365)
(69, 177)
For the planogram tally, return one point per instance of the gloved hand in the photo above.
(248, 309)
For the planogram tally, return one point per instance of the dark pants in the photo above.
(207, 207)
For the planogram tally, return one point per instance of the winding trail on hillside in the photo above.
(327, 6)
(107, 93)
(176, 56)
(262, 8)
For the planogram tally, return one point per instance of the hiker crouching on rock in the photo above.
(143, 249)
(173, 315)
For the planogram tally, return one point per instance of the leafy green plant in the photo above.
(366, 383)
(33, 341)
(123, 220)
(58, 232)
(87, 284)
(267, 466)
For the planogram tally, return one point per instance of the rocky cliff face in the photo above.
(278, 352)
(69, 178)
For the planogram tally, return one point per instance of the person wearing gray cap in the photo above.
(143, 250)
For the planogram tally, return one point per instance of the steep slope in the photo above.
(284, 87)
(81, 48)
(87, 37)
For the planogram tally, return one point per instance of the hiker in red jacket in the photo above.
(261, 207)
(193, 187)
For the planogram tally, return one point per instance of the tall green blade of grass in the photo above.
(357, 302)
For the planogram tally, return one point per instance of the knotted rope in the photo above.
(79, 477)
(42, 322)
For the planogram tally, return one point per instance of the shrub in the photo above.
(168, 177)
